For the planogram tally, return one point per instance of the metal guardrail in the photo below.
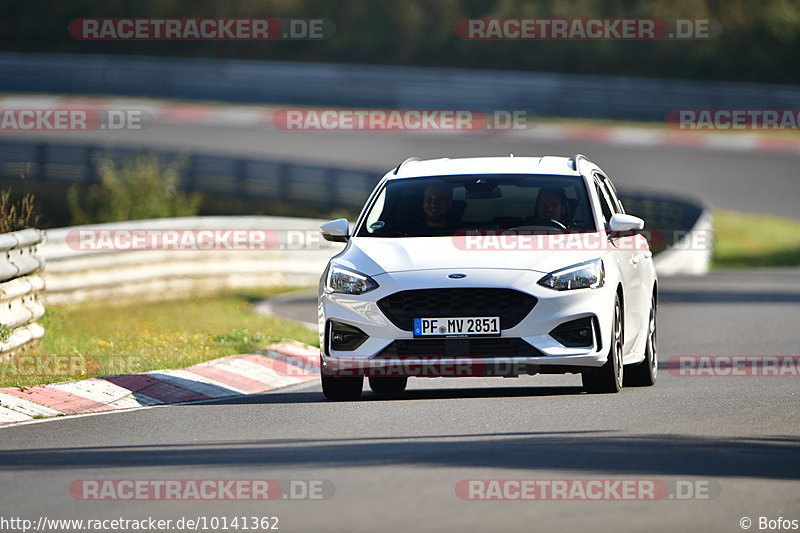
(284, 181)
(85, 275)
(21, 287)
(375, 86)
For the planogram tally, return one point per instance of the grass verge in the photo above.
(103, 340)
(747, 240)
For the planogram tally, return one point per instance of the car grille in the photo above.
(404, 306)
(491, 347)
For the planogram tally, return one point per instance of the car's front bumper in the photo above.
(551, 309)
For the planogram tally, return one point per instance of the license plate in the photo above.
(457, 327)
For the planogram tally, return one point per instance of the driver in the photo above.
(552, 204)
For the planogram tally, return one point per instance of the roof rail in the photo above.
(403, 162)
(573, 161)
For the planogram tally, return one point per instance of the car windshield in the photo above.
(451, 205)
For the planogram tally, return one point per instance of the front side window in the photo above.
(611, 193)
(447, 205)
(605, 204)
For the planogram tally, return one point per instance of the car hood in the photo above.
(374, 255)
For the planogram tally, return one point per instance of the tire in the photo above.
(608, 378)
(644, 374)
(348, 388)
(393, 385)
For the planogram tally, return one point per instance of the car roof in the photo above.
(551, 165)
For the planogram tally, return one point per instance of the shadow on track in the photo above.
(409, 394)
(595, 452)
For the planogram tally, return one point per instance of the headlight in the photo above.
(588, 275)
(348, 282)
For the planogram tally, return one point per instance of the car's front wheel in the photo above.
(392, 385)
(608, 378)
(342, 388)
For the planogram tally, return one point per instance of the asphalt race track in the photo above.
(395, 462)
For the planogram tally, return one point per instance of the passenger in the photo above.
(552, 204)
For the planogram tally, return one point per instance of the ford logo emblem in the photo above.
(456, 276)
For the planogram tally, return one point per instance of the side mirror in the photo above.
(620, 223)
(335, 230)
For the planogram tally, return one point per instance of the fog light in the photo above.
(343, 337)
(576, 333)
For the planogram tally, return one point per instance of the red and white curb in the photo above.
(280, 365)
(259, 116)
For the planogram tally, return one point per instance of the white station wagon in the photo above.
(489, 266)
